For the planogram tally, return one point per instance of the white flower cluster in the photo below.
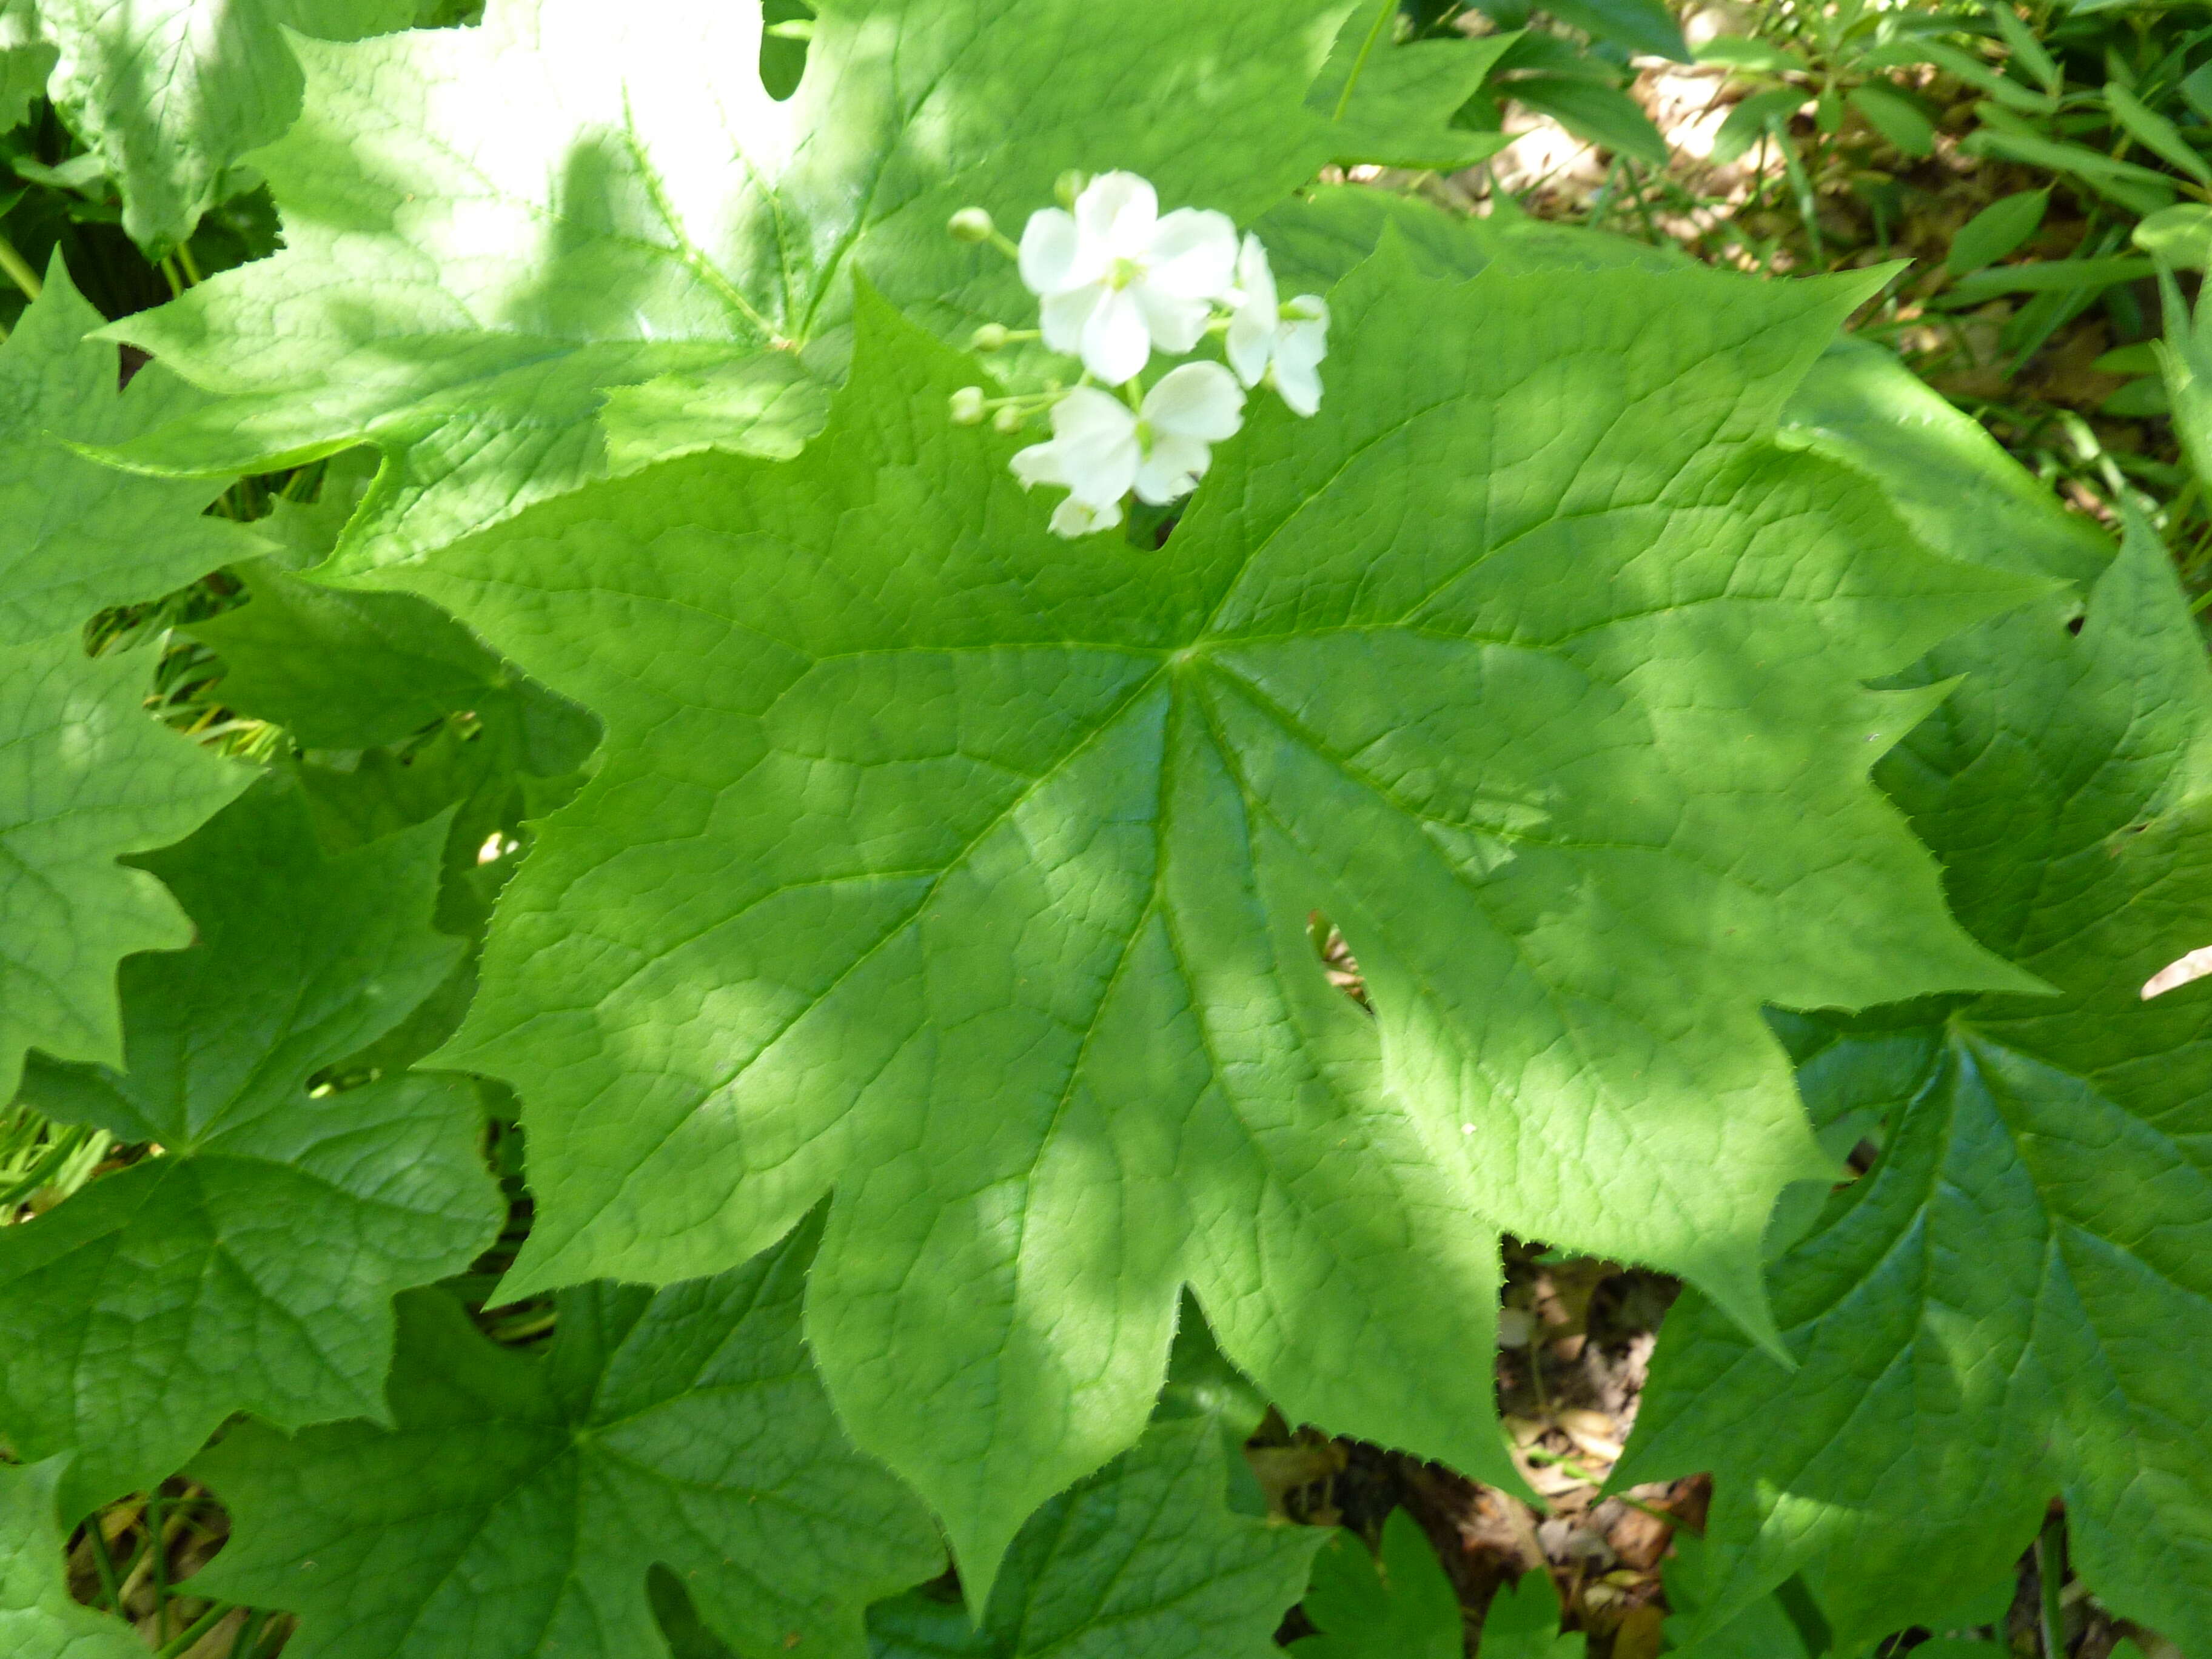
(1118, 281)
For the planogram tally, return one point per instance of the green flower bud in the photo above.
(1008, 420)
(1068, 186)
(967, 406)
(992, 336)
(971, 224)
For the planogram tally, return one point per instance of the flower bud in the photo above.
(1009, 420)
(971, 224)
(1068, 186)
(992, 336)
(967, 406)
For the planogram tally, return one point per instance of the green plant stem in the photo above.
(2050, 1573)
(1538, 1454)
(156, 1520)
(19, 269)
(187, 1639)
(249, 1634)
(103, 1562)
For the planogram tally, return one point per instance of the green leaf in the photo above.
(517, 1503)
(1399, 1606)
(1392, 104)
(1522, 1622)
(1997, 230)
(1050, 821)
(2180, 235)
(252, 1264)
(488, 230)
(38, 1618)
(81, 535)
(88, 776)
(1896, 117)
(1142, 1558)
(27, 57)
(1605, 115)
(2050, 276)
(1643, 25)
(2076, 159)
(85, 778)
(1744, 51)
(1939, 468)
(2007, 1305)
(1756, 118)
(173, 92)
(2155, 133)
(344, 671)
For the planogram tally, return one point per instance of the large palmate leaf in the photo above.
(251, 1265)
(1142, 1558)
(489, 229)
(517, 1504)
(170, 93)
(2015, 1303)
(38, 1618)
(969, 872)
(85, 776)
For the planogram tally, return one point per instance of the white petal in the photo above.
(1199, 400)
(1175, 323)
(1040, 463)
(1300, 350)
(1096, 438)
(1117, 212)
(1299, 384)
(1251, 340)
(1193, 254)
(1064, 315)
(1173, 469)
(1256, 280)
(1116, 344)
(1074, 517)
(1050, 244)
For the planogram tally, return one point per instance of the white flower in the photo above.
(1100, 449)
(1117, 279)
(1283, 344)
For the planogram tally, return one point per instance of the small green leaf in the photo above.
(1642, 26)
(1401, 1605)
(1753, 119)
(2050, 276)
(2077, 159)
(1997, 230)
(2155, 133)
(39, 1618)
(251, 1265)
(2025, 49)
(1896, 117)
(1143, 1558)
(1745, 52)
(516, 1504)
(2180, 235)
(1909, 51)
(2138, 400)
(1603, 114)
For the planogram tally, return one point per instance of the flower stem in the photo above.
(18, 269)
